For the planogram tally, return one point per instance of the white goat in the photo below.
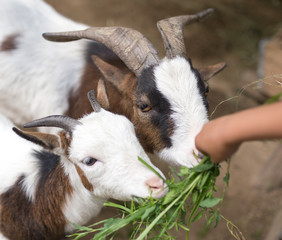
(165, 99)
(51, 181)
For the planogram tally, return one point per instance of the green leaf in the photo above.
(217, 218)
(170, 196)
(202, 167)
(152, 169)
(204, 180)
(148, 211)
(210, 221)
(183, 216)
(273, 99)
(209, 202)
(171, 216)
(226, 178)
(112, 221)
(184, 171)
(195, 197)
(198, 216)
(115, 205)
(184, 227)
(82, 228)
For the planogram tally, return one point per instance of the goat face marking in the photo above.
(181, 84)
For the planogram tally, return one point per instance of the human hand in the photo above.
(212, 140)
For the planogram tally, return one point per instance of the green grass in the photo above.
(190, 198)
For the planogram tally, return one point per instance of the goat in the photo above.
(53, 180)
(165, 99)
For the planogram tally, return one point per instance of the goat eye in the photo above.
(89, 161)
(145, 107)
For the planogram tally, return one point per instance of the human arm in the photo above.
(221, 137)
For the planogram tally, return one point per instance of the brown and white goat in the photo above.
(165, 99)
(53, 180)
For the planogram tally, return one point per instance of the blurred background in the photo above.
(247, 35)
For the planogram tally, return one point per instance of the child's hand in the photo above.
(212, 141)
(221, 137)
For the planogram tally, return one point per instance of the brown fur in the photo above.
(65, 141)
(78, 102)
(149, 136)
(9, 43)
(48, 141)
(41, 219)
(122, 97)
(83, 178)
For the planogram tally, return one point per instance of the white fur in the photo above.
(16, 159)
(2, 237)
(117, 174)
(176, 81)
(30, 73)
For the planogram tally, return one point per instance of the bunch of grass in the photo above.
(190, 198)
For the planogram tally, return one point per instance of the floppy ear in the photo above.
(209, 71)
(123, 82)
(48, 141)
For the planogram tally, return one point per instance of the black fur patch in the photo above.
(47, 164)
(161, 108)
(100, 50)
(201, 86)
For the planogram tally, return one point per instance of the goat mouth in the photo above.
(154, 194)
(198, 156)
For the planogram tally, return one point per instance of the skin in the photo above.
(220, 138)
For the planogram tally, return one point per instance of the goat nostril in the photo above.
(155, 183)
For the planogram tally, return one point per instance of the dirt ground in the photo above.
(233, 34)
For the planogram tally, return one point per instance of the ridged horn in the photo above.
(93, 101)
(59, 121)
(129, 45)
(172, 29)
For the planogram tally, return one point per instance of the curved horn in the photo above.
(94, 103)
(171, 30)
(129, 45)
(59, 121)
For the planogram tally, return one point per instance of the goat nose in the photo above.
(155, 183)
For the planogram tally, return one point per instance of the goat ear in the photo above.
(123, 82)
(48, 141)
(102, 95)
(209, 71)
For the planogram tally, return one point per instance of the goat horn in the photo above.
(94, 103)
(59, 121)
(172, 28)
(129, 45)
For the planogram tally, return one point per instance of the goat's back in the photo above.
(30, 64)
(16, 158)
